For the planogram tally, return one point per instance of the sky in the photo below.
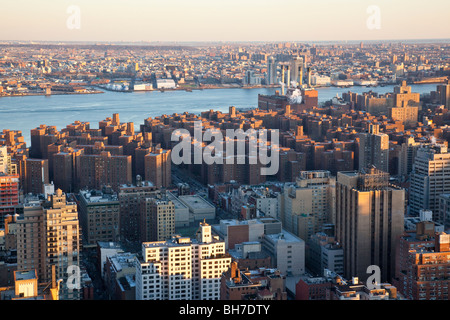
(223, 20)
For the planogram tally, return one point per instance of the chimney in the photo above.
(300, 75)
(309, 77)
(288, 82)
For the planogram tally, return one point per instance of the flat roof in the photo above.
(25, 275)
(195, 201)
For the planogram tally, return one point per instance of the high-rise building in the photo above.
(9, 195)
(66, 165)
(157, 219)
(130, 198)
(423, 268)
(443, 91)
(296, 68)
(35, 175)
(309, 201)
(374, 149)
(323, 252)
(95, 171)
(183, 268)
(99, 215)
(369, 218)
(49, 235)
(430, 178)
(272, 71)
(6, 165)
(158, 167)
(407, 154)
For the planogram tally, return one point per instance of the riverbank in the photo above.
(32, 94)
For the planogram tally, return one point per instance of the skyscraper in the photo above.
(296, 66)
(443, 91)
(374, 149)
(272, 71)
(430, 178)
(49, 235)
(369, 218)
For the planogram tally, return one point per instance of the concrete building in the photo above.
(234, 232)
(324, 252)
(430, 178)
(99, 214)
(97, 170)
(309, 203)
(105, 250)
(199, 208)
(49, 235)
(158, 167)
(374, 149)
(407, 154)
(272, 77)
(444, 208)
(130, 198)
(157, 219)
(181, 211)
(423, 266)
(287, 252)
(9, 196)
(119, 271)
(369, 218)
(260, 284)
(183, 268)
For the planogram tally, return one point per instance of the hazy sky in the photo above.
(223, 20)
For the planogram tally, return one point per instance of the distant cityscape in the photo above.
(359, 208)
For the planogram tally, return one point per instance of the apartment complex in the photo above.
(99, 215)
(309, 203)
(157, 221)
(183, 268)
(49, 235)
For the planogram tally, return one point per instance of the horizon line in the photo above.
(223, 41)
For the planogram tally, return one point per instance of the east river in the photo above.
(28, 112)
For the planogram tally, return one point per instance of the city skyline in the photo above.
(206, 21)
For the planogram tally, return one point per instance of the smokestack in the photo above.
(282, 80)
(300, 75)
(288, 82)
(309, 77)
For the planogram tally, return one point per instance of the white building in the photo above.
(199, 208)
(287, 252)
(165, 84)
(318, 80)
(182, 269)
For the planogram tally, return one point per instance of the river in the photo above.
(28, 112)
